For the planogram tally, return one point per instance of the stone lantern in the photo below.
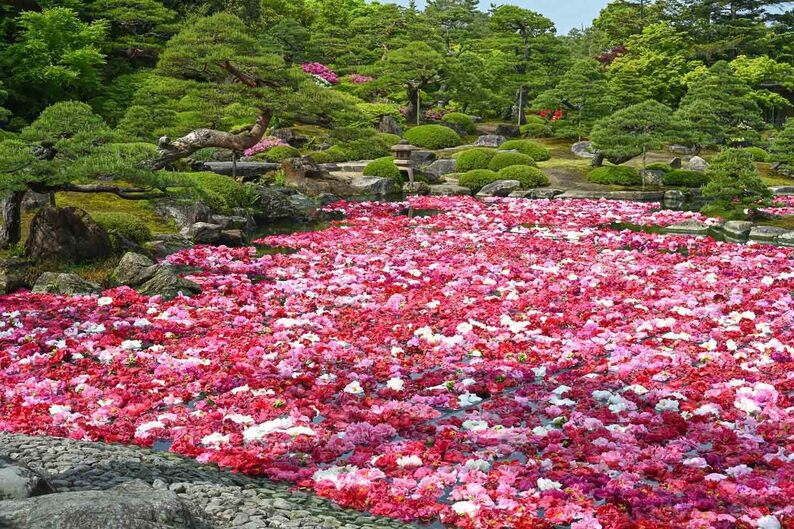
(402, 158)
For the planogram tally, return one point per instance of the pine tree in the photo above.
(782, 149)
(734, 180)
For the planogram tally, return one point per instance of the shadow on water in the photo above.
(713, 233)
(415, 213)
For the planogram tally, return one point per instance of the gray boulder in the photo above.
(499, 188)
(232, 238)
(422, 157)
(18, 481)
(449, 190)
(183, 213)
(232, 222)
(457, 127)
(508, 130)
(13, 274)
(279, 203)
(688, 227)
(32, 201)
(64, 284)
(651, 177)
(696, 163)
(372, 185)
(674, 198)
(683, 149)
(292, 138)
(539, 193)
(134, 269)
(167, 283)
(738, 229)
(246, 170)
(204, 233)
(490, 140)
(67, 235)
(132, 505)
(439, 168)
(416, 188)
(389, 125)
(582, 149)
(766, 233)
(164, 245)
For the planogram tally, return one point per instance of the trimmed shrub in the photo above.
(506, 159)
(619, 175)
(528, 176)
(459, 118)
(534, 119)
(433, 137)
(758, 154)
(536, 130)
(220, 192)
(124, 224)
(368, 148)
(530, 148)
(320, 156)
(471, 159)
(281, 153)
(663, 167)
(477, 179)
(683, 178)
(383, 167)
(388, 139)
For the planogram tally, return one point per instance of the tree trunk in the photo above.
(412, 113)
(170, 151)
(11, 232)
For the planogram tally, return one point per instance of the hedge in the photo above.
(530, 148)
(683, 178)
(471, 159)
(528, 176)
(477, 179)
(433, 137)
(536, 130)
(124, 224)
(506, 159)
(615, 175)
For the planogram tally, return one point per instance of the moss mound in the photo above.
(459, 118)
(471, 159)
(506, 159)
(530, 148)
(477, 179)
(618, 175)
(528, 176)
(683, 178)
(433, 137)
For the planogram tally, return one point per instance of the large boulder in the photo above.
(18, 481)
(13, 274)
(165, 244)
(67, 235)
(203, 233)
(232, 238)
(490, 140)
(422, 157)
(373, 185)
(64, 284)
(683, 149)
(183, 213)
(651, 177)
(508, 130)
(134, 269)
(449, 190)
(457, 127)
(499, 188)
(583, 149)
(306, 176)
(280, 203)
(167, 284)
(131, 505)
(696, 163)
(416, 188)
(389, 125)
(439, 168)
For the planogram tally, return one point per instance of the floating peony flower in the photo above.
(465, 508)
(768, 522)
(548, 484)
(354, 388)
(104, 301)
(215, 440)
(396, 384)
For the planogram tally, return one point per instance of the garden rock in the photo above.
(168, 284)
(204, 233)
(439, 168)
(12, 274)
(541, 193)
(457, 127)
(582, 149)
(696, 163)
(416, 188)
(389, 125)
(277, 204)
(183, 213)
(134, 269)
(738, 229)
(166, 244)
(232, 222)
(766, 233)
(689, 227)
(232, 238)
(683, 149)
(651, 177)
(674, 198)
(422, 158)
(131, 505)
(507, 130)
(18, 481)
(33, 201)
(289, 136)
(490, 140)
(246, 170)
(372, 185)
(64, 284)
(67, 235)
(449, 190)
(676, 163)
(499, 188)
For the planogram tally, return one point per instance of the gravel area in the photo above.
(228, 500)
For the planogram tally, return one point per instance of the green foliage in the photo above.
(782, 148)
(537, 152)
(124, 224)
(461, 119)
(64, 121)
(471, 159)
(663, 167)
(638, 129)
(528, 176)
(375, 111)
(506, 159)
(733, 179)
(388, 139)
(385, 168)
(432, 137)
(332, 154)
(758, 154)
(280, 153)
(368, 148)
(536, 130)
(683, 178)
(477, 179)
(220, 192)
(620, 175)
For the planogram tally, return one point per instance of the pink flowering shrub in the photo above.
(359, 79)
(508, 363)
(435, 114)
(320, 71)
(264, 145)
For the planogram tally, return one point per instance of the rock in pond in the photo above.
(449, 190)
(416, 188)
(737, 229)
(439, 168)
(184, 213)
(499, 188)
(64, 284)
(688, 227)
(67, 235)
(372, 185)
(766, 233)
(203, 233)
(167, 284)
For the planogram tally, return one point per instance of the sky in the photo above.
(566, 14)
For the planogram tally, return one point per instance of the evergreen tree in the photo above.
(416, 67)
(782, 149)
(734, 180)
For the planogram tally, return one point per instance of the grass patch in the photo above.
(107, 203)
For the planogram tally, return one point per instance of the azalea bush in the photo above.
(507, 363)
(264, 145)
(321, 72)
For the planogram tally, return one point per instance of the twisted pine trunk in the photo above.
(11, 231)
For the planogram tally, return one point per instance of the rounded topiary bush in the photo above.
(620, 175)
(530, 148)
(506, 159)
(663, 167)
(683, 178)
(758, 154)
(477, 179)
(369, 148)
(459, 118)
(433, 137)
(221, 193)
(536, 130)
(528, 176)
(383, 167)
(280, 153)
(124, 224)
(388, 139)
(471, 159)
(333, 154)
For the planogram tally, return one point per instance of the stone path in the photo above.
(229, 501)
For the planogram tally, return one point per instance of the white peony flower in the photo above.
(548, 484)
(396, 384)
(465, 508)
(354, 388)
(468, 399)
(768, 522)
(104, 301)
(409, 461)
(214, 440)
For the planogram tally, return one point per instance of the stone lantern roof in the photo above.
(403, 150)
